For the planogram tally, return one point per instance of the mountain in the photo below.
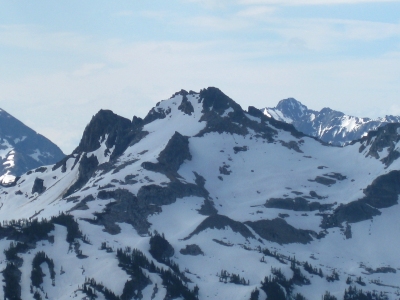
(22, 149)
(204, 200)
(329, 125)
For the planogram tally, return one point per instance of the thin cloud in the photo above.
(331, 34)
(35, 38)
(211, 4)
(153, 14)
(218, 23)
(256, 11)
(123, 13)
(88, 69)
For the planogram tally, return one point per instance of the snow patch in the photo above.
(227, 112)
(18, 140)
(258, 120)
(36, 155)
(7, 178)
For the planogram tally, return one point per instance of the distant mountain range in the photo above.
(22, 149)
(202, 199)
(329, 125)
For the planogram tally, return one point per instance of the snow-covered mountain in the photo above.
(329, 125)
(22, 149)
(204, 200)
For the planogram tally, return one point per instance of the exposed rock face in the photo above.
(352, 212)
(222, 114)
(383, 192)
(214, 99)
(323, 180)
(224, 170)
(313, 194)
(87, 167)
(38, 186)
(176, 152)
(156, 113)
(216, 123)
(292, 145)
(155, 194)
(207, 208)
(240, 149)
(104, 123)
(82, 205)
(127, 208)
(385, 137)
(186, 106)
(296, 204)
(215, 105)
(173, 155)
(336, 176)
(220, 222)
(192, 249)
(114, 130)
(279, 231)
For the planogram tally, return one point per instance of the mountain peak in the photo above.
(329, 125)
(213, 98)
(22, 148)
(291, 103)
(104, 125)
(292, 108)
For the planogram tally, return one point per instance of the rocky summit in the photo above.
(22, 149)
(202, 199)
(329, 125)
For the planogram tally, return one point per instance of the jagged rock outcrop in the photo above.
(279, 231)
(87, 166)
(186, 106)
(38, 186)
(296, 204)
(220, 222)
(170, 159)
(191, 249)
(126, 208)
(383, 192)
(106, 127)
(384, 138)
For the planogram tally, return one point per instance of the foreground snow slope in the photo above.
(209, 193)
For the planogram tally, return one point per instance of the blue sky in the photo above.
(62, 61)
